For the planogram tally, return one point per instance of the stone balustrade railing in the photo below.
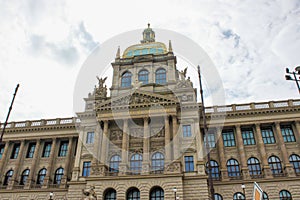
(42, 122)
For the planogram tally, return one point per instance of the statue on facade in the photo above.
(101, 90)
(89, 193)
(182, 74)
(101, 81)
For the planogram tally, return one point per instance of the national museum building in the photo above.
(144, 141)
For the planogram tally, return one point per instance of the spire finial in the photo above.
(118, 52)
(170, 46)
(148, 25)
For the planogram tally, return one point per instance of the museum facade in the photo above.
(146, 141)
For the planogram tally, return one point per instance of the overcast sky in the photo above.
(43, 45)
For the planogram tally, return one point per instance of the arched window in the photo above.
(218, 196)
(143, 76)
(275, 165)
(7, 177)
(285, 195)
(254, 166)
(233, 168)
(24, 176)
(295, 161)
(110, 194)
(157, 162)
(238, 196)
(215, 172)
(58, 175)
(114, 163)
(41, 176)
(157, 193)
(265, 196)
(160, 76)
(133, 194)
(136, 163)
(126, 79)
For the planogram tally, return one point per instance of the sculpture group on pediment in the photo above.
(101, 90)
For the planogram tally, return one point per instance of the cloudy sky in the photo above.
(43, 45)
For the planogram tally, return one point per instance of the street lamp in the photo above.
(243, 187)
(175, 190)
(51, 196)
(295, 74)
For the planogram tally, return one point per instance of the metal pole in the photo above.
(210, 181)
(294, 73)
(10, 108)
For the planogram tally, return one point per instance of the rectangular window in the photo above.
(90, 137)
(287, 134)
(47, 149)
(189, 163)
(30, 151)
(63, 149)
(248, 136)
(1, 150)
(15, 151)
(268, 135)
(186, 130)
(228, 138)
(86, 168)
(211, 140)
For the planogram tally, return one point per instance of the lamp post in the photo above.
(175, 190)
(51, 196)
(243, 187)
(295, 74)
(210, 181)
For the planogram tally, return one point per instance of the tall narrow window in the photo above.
(287, 134)
(15, 151)
(157, 193)
(90, 137)
(275, 165)
(136, 163)
(157, 162)
(1, 150)
(58, 175)
(233, 168)
(126, 80)
(285, 195)
(295, 161)
(47, 149)
(41, 176)
(30, 151)
(268, 135)
(160, 76)
(114, 163)
(110, 194)
(86, 169)
(228, 138)
(189, 163)
(186, 130)
(143, 76)
(254, 166)
(24, 176)
(7, 177)
(63, 149)
(248, 136)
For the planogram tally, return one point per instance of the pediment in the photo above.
(136, 99)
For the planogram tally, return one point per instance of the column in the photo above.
(262, 151)
(98, 141)
(125, 141)
(76, 168)
(167, 141)
(241, 150)
(146, 147)
(200, 148)
(15, 176)
(104, 145)
(176, 137)
(221, 152)
(285, 157)
(67, 164)
(297, 131)
(49, 173)
(33, 169)
(4, 157)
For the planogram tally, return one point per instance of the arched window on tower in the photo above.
(144, 76)
(7, 177)
(24, 176)
(126, 80)
(157, 193)
(295, 161)
(160, 76)
(58, 175)
(157, 162)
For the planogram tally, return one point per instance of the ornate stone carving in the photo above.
(101, 90)
(116, 135)
(89, 193)
(174, 167)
